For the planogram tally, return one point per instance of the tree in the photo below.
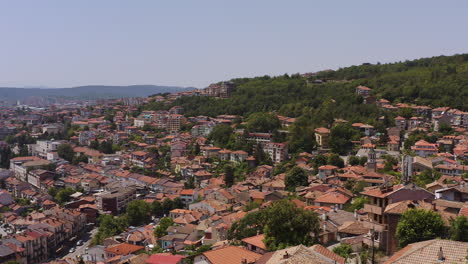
(263, 122)
(63, 195)
(138, 213)
(344, 250)
(459, 228)
(106, 147)
(160, 230)
(228, 176)
(196, 149)
(358, 203)
(66, 152)
(426, 177)
(335, 160)
(353, 160)
(363, 160)
(108, 226)
(296, 177)
(80, 158)
(260, 156)
(167, 206)
(288, 225)
(157, 209)
(301, 136)
(445, 129)
(318, 161)
(220, 135)
(340, 138)
(94, 144)
(251, 224)
(418, 225)
(24, 151)
(5, 156)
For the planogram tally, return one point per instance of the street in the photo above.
(80, 250)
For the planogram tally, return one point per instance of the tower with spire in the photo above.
(371, 160)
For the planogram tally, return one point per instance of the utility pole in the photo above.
(373, 238)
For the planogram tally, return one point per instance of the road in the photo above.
(80, 250)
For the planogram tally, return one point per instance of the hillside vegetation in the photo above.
(437, 81)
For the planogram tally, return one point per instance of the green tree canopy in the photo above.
(66, 152)
(283, 224)
(220, 135)
(459, 229)
(160, 230)
(138, 213)
(418, 225)
(262, 122)
(287, 225)
(341, 136)
(228, 176)
(296, 177)
(108, 226)
(335, 160)
(343, 250)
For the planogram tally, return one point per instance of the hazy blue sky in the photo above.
(193, 43)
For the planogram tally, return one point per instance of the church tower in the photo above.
(371, 160)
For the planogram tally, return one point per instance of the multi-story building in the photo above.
(21, 165)
(423, 148)
(173, 123)
(278, 152)
(139, 158)
(86, 137)
(115, 201)
(223, 90)
(322, 136)
(43, 147)
(400, 122)
(176, 110)
(378, 221)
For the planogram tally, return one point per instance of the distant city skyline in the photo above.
(61, 44)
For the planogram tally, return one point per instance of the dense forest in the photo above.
(437, 81)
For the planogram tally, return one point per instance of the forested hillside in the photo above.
(436, 81)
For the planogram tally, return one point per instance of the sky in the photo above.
(56, 43)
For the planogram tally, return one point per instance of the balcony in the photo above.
(374, 209)
(375, 226)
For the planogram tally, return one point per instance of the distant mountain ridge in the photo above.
(89, 91)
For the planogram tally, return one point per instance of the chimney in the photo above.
(440, 255)
(355, 214)
(244, 261)
(286, 255)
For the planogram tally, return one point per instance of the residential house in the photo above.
(255, 244)
(322, 137)
(424, 149)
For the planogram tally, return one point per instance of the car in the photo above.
(79, 243)
(71, 250)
